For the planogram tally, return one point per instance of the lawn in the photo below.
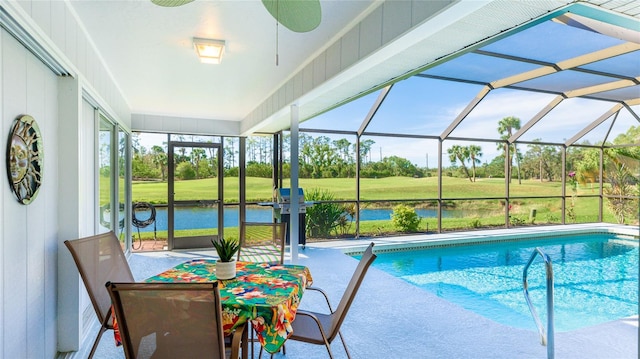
(457, 191)
(380, 189)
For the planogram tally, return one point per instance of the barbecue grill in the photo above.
(282, 210)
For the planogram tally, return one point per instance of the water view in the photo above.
(195, 218)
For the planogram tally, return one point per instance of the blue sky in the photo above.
(423, 106)
(427, 106)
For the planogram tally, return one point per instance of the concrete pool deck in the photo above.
(391, 318)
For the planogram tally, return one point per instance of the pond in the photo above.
(195, 218)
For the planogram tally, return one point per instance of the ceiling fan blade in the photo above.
(295, 15)
(171, 3)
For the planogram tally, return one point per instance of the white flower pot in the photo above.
(225, 270)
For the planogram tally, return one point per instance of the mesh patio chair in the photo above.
(100, 259)
(321, 329)
(172, 320)
(262, 242)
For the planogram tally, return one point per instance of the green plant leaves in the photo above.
(226, 248)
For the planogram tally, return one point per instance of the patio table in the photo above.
(266, 294)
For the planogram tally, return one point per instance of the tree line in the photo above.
(323, 157)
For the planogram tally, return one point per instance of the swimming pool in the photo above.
(595, 278)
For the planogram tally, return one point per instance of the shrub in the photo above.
(232, 172)
(620, 194)
(185, 171)
(322, 218)
(256, 169)
(405, 218)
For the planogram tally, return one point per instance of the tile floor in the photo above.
(393, 319)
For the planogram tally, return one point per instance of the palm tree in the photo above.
(475, 152)
(365, 149)
(343, 145)
(506, 127)
(197, 154)
(159, 158)
(462, 154)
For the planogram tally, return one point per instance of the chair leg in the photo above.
(245, 344)
(96, 342)
(252, 339)
(239, 348)
(326, 344)
(344, 344)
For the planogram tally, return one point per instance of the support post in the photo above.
(295, 206)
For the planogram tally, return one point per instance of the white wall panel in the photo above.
(61, 30)
(423, 10)
(88, 154)
(396, 19)
(36, 304)
(307, 78)
(50, 198)
(41, 14)
(319, 69)
(57, 21)
(37, 77)
(206, 127)
(288, 90)
(83, 47)
(92, 60)
(187, 126)
(28, 239)
(26, 5)
(15, 234)
(71, 34)
(371, 33)
(350, 47)
(333, 59)
(282, 96)
(69, 212)
(166, 124)
(87, 190)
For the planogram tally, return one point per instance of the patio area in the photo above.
(393, 319)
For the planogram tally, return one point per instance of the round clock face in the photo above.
(24, 159)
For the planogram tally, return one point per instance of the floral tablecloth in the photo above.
(266, 294)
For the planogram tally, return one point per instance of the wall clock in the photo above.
(25, 158)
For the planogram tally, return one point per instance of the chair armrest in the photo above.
(326, 298)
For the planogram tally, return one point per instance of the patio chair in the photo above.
(100, 259)
(262, 242)
(172, 320)
(321, 329)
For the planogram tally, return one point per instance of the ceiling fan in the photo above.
(295, 15)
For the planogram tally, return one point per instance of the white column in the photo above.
(69, 212)
(295, 206)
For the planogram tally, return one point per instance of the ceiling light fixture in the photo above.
(209, 51)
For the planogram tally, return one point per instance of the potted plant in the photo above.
(226, 265)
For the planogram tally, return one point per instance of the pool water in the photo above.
(595, 278)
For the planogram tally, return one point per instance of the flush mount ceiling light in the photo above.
(209, 51)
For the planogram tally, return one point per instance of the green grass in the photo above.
(490, 213)
(390, 188)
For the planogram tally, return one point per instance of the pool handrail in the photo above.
(548, 338)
